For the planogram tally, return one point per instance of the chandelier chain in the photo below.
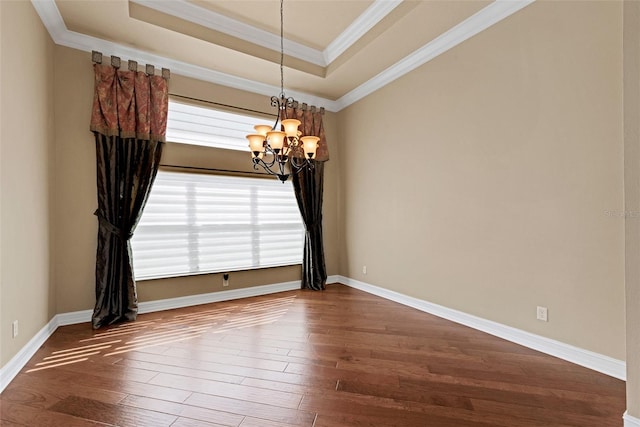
(282, 48)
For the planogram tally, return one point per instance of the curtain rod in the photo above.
(302, 106)
(132, 66)
(226, 171)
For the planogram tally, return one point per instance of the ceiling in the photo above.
(336, 51)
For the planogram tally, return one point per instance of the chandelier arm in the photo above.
(266, 166)
(280, 159)
(267, 152)
(299, 165)
(289, 102)
(275, 102)
(280, 173)
(259, 162)
(281, 166)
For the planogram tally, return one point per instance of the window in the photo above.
(199, 223)
(193, 124)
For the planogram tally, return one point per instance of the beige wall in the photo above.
(75, 224)
(632, 199)
(506, 155)
(26, 138)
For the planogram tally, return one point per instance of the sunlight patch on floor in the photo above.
(140, 335)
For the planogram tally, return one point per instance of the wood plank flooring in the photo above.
(335, 358)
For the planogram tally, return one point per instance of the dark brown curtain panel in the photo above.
(129, 121)
(308, 186)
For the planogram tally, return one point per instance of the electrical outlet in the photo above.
(364, 269)
(541, 314)
(14, 328)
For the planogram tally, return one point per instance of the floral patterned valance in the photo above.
(129, 104)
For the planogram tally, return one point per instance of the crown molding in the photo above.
(50, 16)
(215, 21)
(358, 28)
(490, 15)
(480, 21)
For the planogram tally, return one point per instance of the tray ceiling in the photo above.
(336, 51)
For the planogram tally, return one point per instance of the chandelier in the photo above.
(282, 152)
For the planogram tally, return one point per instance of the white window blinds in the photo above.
(199, 223)
(193, 124)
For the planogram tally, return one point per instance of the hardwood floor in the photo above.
(325, 359)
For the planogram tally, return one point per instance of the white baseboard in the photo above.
(630, 421)
(334, 279)
(73, 317)
(598, 362)
(13, 367)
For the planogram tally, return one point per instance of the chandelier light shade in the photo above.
(281, 149)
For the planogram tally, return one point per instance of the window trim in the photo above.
(202, 273)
